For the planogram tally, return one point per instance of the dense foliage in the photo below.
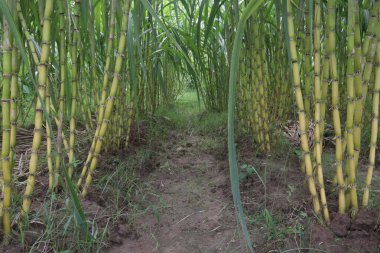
(94, 66)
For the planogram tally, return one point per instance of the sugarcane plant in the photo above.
(330, 85)
(81, 72)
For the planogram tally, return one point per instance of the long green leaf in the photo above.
(234, 70)
(79, 213)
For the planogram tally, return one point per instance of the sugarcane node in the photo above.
(5, 100)
(306, 153)
(45, 43)
(118, 76)
(7, 76)
(100, 139)
(369, 62)
(372, 145)
(118, 54)
(6, 129)
(33, 151)
(5, 158)
(341, 188)
(7, 50)
(111, 98)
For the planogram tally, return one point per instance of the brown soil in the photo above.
(187, 205)
(286, 198)
(191, 209)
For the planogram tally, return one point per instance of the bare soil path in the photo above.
(190, 208)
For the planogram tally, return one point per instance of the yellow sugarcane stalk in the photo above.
(317, 108)
(111, 97)
(49, 155)
(308, 74)
(358, 82)
(103, 97)
(301, 111)
(6, 128)
(38, 118)
(130, 113)
(351, 197)
(264, 98)
(335, 104)
(27, 34)
(375, 120)
(13, 101)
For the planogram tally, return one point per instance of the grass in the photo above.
(54, 221)
(188, 114)
(118, 194)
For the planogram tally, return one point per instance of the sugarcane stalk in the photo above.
(317, 109)
(103, 97)
(74, 84)
(6, 128)
(375, 119)
(111, 97)
(38, 118)
(301, 110)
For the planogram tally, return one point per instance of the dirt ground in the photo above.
(194, 211)
(185, 203)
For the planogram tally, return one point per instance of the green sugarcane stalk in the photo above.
(111, 97)
(6, 128)
(103, 97)
(74, 84)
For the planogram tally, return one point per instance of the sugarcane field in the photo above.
(186, 126)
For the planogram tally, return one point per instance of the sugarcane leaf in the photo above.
(234, 70)
(78, 210)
